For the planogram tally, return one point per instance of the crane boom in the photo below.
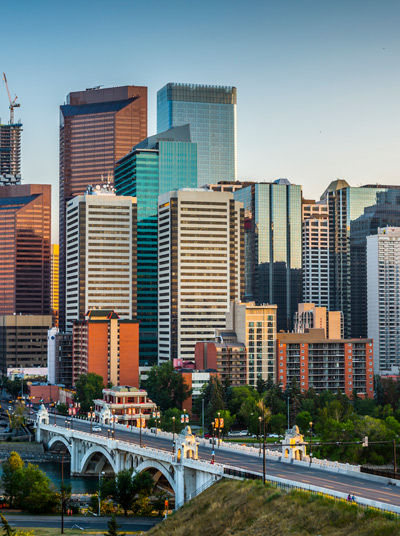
(13, 103)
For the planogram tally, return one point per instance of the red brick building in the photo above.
(108, 346)
(325, 364)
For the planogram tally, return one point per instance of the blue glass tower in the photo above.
(167, 161)
(211, 113)
(272, 220)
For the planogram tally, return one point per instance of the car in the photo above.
(96, 428)
(273, 435)
(243, 433)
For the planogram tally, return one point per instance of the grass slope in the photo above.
(232, 507)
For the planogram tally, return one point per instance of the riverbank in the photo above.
(30, 452)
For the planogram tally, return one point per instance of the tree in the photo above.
(123, 488)
(214, 399)
(12, 477)
(166, 387)
(18, 417)
(228, 420)
(27, 487)
(303, 420)
(89, 387)
(113, 528)
(9, 531)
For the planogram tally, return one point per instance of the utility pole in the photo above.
(288, 413)
(394, 458)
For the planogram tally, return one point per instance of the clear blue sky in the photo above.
(318, 81)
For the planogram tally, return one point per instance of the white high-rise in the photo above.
(315, 253)
(383, 280)
(100, 254)
(200, 267)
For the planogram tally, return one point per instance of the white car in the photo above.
(96, 429)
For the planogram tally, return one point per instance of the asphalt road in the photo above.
(87, 523)
(347, 484)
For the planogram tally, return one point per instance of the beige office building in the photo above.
(100, 254)
(200, 267)
(315, 233)
(255, 327)
(309, 316)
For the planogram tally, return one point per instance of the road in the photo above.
(347, 484)
(87, 523)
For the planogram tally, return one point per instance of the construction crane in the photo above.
(13, 103)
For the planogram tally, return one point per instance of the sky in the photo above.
(318, 81)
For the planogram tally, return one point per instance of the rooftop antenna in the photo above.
(13, 103)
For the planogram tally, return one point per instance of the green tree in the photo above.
(214, 399)
(89, 387)
(277, 424)
(9, 531)
(18, 417)
(113, 528)
(303, 420)
(166, 387)
(12, 477)
(123, 488)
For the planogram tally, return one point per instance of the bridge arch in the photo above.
(152, 464)
(95, 450)
(59, 439)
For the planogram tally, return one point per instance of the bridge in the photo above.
(188, 470)
(92, 454)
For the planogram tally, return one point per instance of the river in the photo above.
(78, 484)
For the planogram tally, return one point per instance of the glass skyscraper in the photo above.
(211, 113)
(167, 161)
(349, 223)
(273, 232)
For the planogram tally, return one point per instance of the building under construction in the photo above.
(10, 145)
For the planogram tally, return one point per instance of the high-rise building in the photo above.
(385, 213)
(200, 267)
(159, 164)
(25, 249)
(273, 250)
(101, 254)
(211, 113)
(322, 364)
(315, 253)
(97, 128)
(309, 316)
(23, 341)
(106, 345)
(54, 282)
(347, 265)
(255, 327)
(59, 357)
(383, 284)
(10, 153)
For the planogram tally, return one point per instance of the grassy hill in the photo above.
(238, 508)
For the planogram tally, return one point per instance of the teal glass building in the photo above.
(273, 246)
(167, 161)
(211, 113)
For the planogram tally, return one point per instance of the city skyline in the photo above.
(308, 78)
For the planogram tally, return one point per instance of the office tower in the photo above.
(200, 267)
(322, 364)
(107, 345)
(309, 316)
(315, 253)
(255, 326)
(385, 213)
(211, 113)
(228, 186)
(23, 341)
(10, 153)
(54, 282)
(159, 164)
(101, 254)
(383, 286)
(97, 127)
(59, 357)
(347, 263)
(273, 232)
(25, 249)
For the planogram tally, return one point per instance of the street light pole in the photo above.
(100, 473)
(394, 458)
(264, 451)
(311, 424)
(219, 428)
(202, 415)
(173, 435)
(259, 434)
(140, 427)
